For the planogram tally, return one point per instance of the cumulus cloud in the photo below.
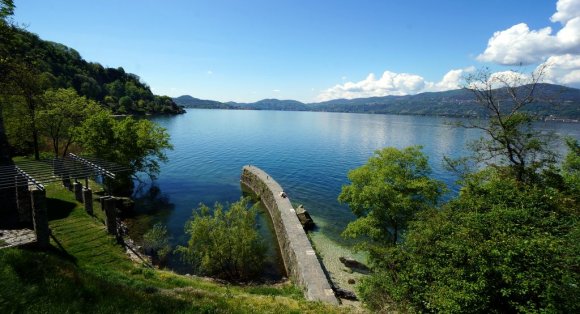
(391, 83)
(564, 69)
(519, 44)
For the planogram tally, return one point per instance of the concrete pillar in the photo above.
(111, 213)
(66, 183)
(78, 190)
(88, 200)
(40, 217)
(23, 202)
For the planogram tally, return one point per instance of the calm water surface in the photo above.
(308, 153)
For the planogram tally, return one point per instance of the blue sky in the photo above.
(310, 50)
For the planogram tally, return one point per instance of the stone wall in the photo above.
(300, 261)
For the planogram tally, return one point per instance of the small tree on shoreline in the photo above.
(225, 243)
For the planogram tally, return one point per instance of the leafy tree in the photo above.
(386, 193)
(500, 247)
(6, 8)
(225, 243)
(137, 144)
(65, 111)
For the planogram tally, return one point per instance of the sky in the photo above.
(312, 50)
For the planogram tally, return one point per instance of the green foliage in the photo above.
(156, 242)
(571, 165)
(64, 112)
(6, 8)
(137, 144)
(59, 66)
(225, 244)
(499, 247)
(386, 193)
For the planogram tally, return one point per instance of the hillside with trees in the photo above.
(554, 101)
(57, 66)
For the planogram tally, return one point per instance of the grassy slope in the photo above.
(86, 271)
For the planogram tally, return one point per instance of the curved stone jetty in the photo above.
(300, 261)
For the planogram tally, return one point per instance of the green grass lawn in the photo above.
(86, 271)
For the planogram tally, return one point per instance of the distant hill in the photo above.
(274, 104)
(552, 100)
(192, 102)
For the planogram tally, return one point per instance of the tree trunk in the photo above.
(4, 146)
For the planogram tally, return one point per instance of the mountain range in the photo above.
(553, 101)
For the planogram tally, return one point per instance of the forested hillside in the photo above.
(59, 66)
(554, 101)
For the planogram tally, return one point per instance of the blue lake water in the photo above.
(308, 153)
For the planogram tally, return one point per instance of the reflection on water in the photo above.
(308, 153)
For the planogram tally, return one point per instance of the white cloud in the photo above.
(391, 83)
(276, 90)
(564, 69)
(565, 11)
(209, 72)
(518, 44)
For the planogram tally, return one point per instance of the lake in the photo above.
(308, 153)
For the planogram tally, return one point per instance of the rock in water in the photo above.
(304, 218)
(344, 294)
(352, 263)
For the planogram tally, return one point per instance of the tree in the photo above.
(500, 247)
(386, 193)
(6, 8)
(510, 141)
(138, 145)
(225, 243)
(65, 111)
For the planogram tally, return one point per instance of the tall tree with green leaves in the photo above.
(6, 10)
(64, 113)
(386, 193)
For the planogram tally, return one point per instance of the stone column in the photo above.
(88, 200)
(40, 217)
(111, 213)
(23, 201)
(66, 183)
(78, 190)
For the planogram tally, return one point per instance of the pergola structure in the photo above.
(23, 216)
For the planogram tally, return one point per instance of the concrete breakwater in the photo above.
(300, 261)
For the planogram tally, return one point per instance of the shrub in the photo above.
(225, 244)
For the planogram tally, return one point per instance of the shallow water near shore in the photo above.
(308, 153)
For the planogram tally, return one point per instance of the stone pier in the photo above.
(300, 261)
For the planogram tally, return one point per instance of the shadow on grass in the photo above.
(58, 209)
(60, 251)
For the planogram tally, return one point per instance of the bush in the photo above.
(226, 244)
(497, 248)
(156, 243)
